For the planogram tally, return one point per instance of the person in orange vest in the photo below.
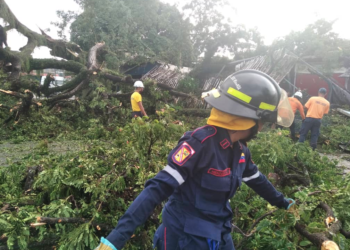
(136, 101)
(296, 105)
(317, 107)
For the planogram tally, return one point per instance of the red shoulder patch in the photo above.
(183, 154)
(225, 144)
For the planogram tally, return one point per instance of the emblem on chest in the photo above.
(219, 173)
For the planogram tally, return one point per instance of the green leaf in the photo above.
(305, 243)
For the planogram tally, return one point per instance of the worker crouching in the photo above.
(207, 167)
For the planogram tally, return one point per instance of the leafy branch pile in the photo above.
(335, 132)
(71, 201)
(85, 192)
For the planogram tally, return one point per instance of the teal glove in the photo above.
(291, 203)
(105, 245)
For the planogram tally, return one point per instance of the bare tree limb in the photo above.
(12, 93)
(92, 61)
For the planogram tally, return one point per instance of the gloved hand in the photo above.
(291, 203)
(105, 245)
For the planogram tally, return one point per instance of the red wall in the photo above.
(313, 83)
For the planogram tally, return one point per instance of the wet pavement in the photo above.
(343, 161)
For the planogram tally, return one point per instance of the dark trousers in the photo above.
(136, 114)
(313, 125)
(166, 239)
(292, 130)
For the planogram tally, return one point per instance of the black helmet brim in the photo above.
(237, 109)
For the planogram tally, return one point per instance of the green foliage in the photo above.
(273, 150)
(104, 177)
(317, 40)
(134, 31)
(336, 130)
(189, 85)
(213, 32)
(101, 180)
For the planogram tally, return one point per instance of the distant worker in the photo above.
(136, 101)
(317, 107)
(296, 105)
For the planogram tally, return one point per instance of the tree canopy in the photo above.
(134, 31)
(317, 42)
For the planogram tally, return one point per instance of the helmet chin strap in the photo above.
(267, 116)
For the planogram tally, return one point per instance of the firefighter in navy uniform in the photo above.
(207, 167)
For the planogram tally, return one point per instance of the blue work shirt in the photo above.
(203, 173)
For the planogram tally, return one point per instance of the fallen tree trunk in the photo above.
(323, 240)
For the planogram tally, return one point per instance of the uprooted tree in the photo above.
(86, 66)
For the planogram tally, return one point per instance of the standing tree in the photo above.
(317, 42)
(134, 31)
(213, 34)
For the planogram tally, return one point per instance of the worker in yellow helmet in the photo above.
(207, 167)
(136, 101)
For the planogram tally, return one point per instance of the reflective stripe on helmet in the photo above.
(266, 106)
(238, 94)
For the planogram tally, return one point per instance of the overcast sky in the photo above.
(273, 18)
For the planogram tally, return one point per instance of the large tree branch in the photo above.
(60, 48)
(70, 93)
(93, 64)
(38, 64)
(69, 85)
(93, 67)
(323, 239)
(115, 78)
(316, 238)
(13, 93)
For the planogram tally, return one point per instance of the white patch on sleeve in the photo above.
(251, 177)
(174, 173)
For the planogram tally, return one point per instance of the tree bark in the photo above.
(39, 64)
(32, 172)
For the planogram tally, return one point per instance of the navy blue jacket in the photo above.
(202, 174)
